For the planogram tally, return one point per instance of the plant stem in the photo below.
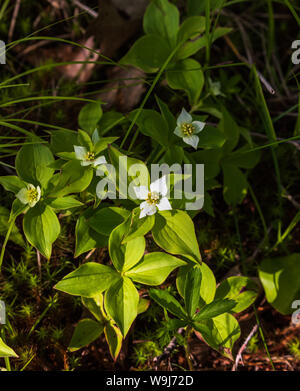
(187, 348)
(263, 221)
(236, 223)
(5, 242)
(263, 337)
(155, 81)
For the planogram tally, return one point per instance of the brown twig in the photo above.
(267, 85)
(167, 350)
(13, 20)
(243, 347)
(85, 8)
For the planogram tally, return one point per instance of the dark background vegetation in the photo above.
(41, 320)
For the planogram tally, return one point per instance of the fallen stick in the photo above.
(167, 350)
(243, 347)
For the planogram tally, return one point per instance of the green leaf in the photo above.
(107, 219)
(192, 286)
(138, 227)
(109, 120)
(280, 279)
(187, 75)
(143, 305)
(173, 155)
(94, 305)
(211, 137)
(154, 268)
(6, 351)
(32, 164)
(73, 179)
(242, 158)
(63, 140)
(216, 308)
(114, 339)
(174, 232)
(193, 46)
(198, 7)
(169, 119)
(162, 18)
(103, 143)
(121, 303)
(41, 228)
(123, 165)
(88, 280)
(84, 140)
(241, 289)
(167, 301)
(235, 185)
(65, 203)
(125, 256)
(86, 237)
(149, 53)
(86, 331)
(12, 183)
(17, 208)
(152, 124)
(220, 333)
(191, 28)
(231, 131)
(207, 287)
(211, 160)
(89, 117)
(15, 235)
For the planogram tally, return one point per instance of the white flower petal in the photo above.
(141, 192)
(85, 163)
(198, 126)
(38, 189)
(178, 131)
(147, 209)
(160, 186)
(80, 152)
(99, 160)
(164, 204)
(184, 118)
(22, 195)
(192, 140)
(32, 203)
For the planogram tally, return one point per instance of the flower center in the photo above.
(187, 129)
(33, 195)
(90, 156)
(153, 198)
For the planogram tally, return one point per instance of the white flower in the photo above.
(155, 197)
(187, 128)
(87, 158)
(30, 195)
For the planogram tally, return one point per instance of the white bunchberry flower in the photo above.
(155, 198)
(29, 195)
(187, 129)
(87, 158)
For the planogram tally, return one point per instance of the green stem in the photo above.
(263, 338)
(263, 221)
(7, 363)
(237, 228)
(207, 30)
(42, 316)
(6, 359)
(155, 81)
(187, 348)
(5, 242)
